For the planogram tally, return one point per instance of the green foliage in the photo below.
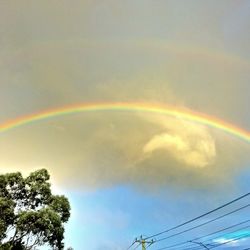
(29, 214)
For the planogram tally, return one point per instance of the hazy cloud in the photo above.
(56, 54)
(190, 144)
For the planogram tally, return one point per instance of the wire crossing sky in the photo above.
(218, 237)
(139, 110)
(200, 216)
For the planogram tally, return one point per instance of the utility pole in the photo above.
(144, 243)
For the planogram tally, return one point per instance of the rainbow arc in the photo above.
(128, 107)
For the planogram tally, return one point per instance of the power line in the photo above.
(216, 238)
(224, 243)
(206, 241)
(236, 231)
(200, 244)
(202, 224)
(131, 245)
(204, 236)
(200, 216)
(223, 229)
(220, 244)
(137, 246)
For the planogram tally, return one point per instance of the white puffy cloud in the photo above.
(188, 143)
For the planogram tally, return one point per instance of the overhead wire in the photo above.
(223, 243)
(137, 246)
(202, 224)
(223, 229)
(236, 231)
(204, 236)
(206, 242)
(214, 246)
(200, 216)
(131, 245)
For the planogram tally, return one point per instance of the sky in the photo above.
(129, 173)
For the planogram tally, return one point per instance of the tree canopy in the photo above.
(30, 215)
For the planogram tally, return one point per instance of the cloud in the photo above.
(103, 149)
(234, 239)
(190, 144)
(95, 150)
(193, 155)
(106, 53)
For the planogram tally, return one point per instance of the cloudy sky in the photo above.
(129, 173)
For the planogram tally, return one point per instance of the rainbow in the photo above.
(128, 107)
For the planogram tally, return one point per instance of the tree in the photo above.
(30, 215)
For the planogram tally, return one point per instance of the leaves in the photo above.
(7, 215)
(33, 215)
(61, 205)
